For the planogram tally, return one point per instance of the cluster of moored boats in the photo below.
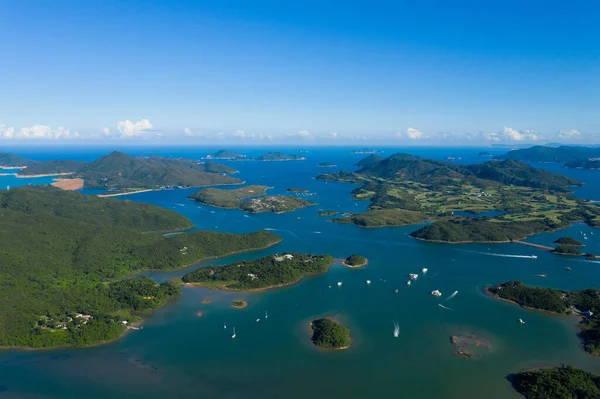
(413, 276)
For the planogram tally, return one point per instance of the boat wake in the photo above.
(284, 231)
(452, 296)
(445, 307)
(396, 330)
(502, 255)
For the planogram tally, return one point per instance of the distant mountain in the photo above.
(224, 154)
(118, 170)
(370, 160)
(552, 154)
(10, 160)
(520, 174)
(53, 167)
(279, 156)
(584, 164)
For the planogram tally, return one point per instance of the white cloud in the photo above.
(510, 134)
(106, 131)
(187, 131)
(569, 134)
(240, 133)
(132, 129)
(303, 133)
(412, 134)
(7, 132)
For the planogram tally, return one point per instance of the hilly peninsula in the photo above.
(67, 258)
(519, 200)
(13, 161)
(118, 171)
(589, 164)
(53, 167)
(268, 272)
(232, 198)
(560, 154)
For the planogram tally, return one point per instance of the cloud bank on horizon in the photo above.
(145, 130)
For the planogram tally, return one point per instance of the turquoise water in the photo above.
(178, 354)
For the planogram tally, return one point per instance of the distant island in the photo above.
(297, 190)
(404, 189)
(264, 273)
(227, 198)
(569, 242)
(329, 334)
(355, 261)
(82, 249)
(226, 155)
(557, 382)
(585, 303)
(276, 204)
(328, 213)
(560, 154)
(12, 161)
(54, 167)
(364, 151)
(484, 154)
(326, 165)
(279, 156)
(589, 164)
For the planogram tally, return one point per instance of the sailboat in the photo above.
(266, 315)
(225, 326)
(396, 330)
(233, 336)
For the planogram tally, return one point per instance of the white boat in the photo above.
(339, 284)
(436, 293)
(395, 291)
(424, 270)
(413, 276)
(533, 256)
(368, 282)
(408, 283)
(225, 326)
(396, 330)
(585, 237)
(257, 320)
(521, 321)
(233, 336)
(266, 315)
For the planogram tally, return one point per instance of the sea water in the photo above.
(178, 354)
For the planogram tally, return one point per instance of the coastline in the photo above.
(366, 262)
(160, 189)
(20, 176)
(490, 294)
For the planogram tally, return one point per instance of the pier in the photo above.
(530, 244)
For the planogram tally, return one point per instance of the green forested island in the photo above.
(560, 154)
(590, 164)
(560, 382)
(569, 241)
(329, 334)
(406, 189)
(276, 204)
(355, 260)
(328, 213)
(66, 258)
(224, 154)
(326, 165)
(279, 156)
(584, 302)
(263, 273)
(567, 250)
(52, 167)
(297, 190)
(228, 198)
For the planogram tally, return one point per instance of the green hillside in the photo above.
(7, 159)
(51, 167)
(552, 154)
(228, 198)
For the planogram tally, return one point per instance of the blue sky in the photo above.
(322, 71)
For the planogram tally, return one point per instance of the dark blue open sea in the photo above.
(179, 355)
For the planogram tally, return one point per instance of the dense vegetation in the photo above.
(52, 167)
(384, 217)
(279, 156)
(63, 254)
(584, 164)
(569, 241)
(118, 171)
(328, 213)
(239, 304)
(225, 154)
(355, 260)
(561, 302)
(479, 230)
(277, 204)
(567, 250)
(228, 198)
(266, 272)
(370, 160)
(329, 334)
(552, 154)
(7, 159)
(560, 382)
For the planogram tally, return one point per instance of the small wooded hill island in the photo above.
(66, 259)
(560, 383)
(329, 334)
(405, 189)
(585, 303)
(267, 157)
(264, 273)
(355, 261)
